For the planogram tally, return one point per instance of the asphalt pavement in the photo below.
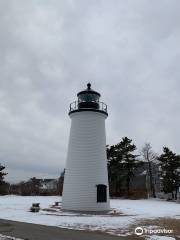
(28, 231)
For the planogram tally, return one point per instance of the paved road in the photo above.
(30, 231)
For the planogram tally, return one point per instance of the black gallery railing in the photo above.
(76, 105)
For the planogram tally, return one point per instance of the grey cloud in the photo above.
(49, 50)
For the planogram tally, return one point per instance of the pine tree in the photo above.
(35, 185)
(114, 157)
(121, 164)
(129, 162)
(2, 174)
(170, 166)
(3, 185)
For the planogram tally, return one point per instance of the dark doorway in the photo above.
(101, 193)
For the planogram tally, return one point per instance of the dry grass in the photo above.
(158, 223)
(167, 223)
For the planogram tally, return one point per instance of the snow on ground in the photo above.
(155, 237)
(17, 208)
(3, 237)
(147, 208)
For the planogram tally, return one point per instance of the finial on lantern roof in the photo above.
(88, 90)
(88, 86)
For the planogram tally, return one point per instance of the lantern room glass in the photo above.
(88, 97)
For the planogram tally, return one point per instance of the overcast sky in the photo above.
(49, 50)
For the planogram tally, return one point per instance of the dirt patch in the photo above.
(158, 223)
(167, 223)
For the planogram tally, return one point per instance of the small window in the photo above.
(101, 193)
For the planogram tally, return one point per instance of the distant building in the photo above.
(48, 184)
(140, 183)
(141, 180)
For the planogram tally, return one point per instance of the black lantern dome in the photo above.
(89, 90)
(88, 100)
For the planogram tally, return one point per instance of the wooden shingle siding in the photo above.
(86, 164)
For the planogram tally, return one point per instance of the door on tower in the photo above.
(101, 193)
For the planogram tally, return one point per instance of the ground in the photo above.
(158, 218)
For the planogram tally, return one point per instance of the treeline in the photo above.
(125, 164)
(38, 187)
(31, 187)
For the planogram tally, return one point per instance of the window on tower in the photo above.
(101, 193)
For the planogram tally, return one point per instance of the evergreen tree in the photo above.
(121, 164)
(170, 166)
(60, 183)
(2, 174)
(35, 185)
(114, 168)
(129, 161)
(4, 187)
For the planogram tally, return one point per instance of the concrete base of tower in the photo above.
(101, 207)
(84, 198)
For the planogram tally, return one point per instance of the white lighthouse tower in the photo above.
(86, 179)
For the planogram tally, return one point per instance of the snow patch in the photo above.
(129, 212)
(155, 237)
(3, 237)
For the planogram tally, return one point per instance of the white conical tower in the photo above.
(86, 179)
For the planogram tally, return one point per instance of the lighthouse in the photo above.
(86, 178)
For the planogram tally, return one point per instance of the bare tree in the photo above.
(149, 156)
